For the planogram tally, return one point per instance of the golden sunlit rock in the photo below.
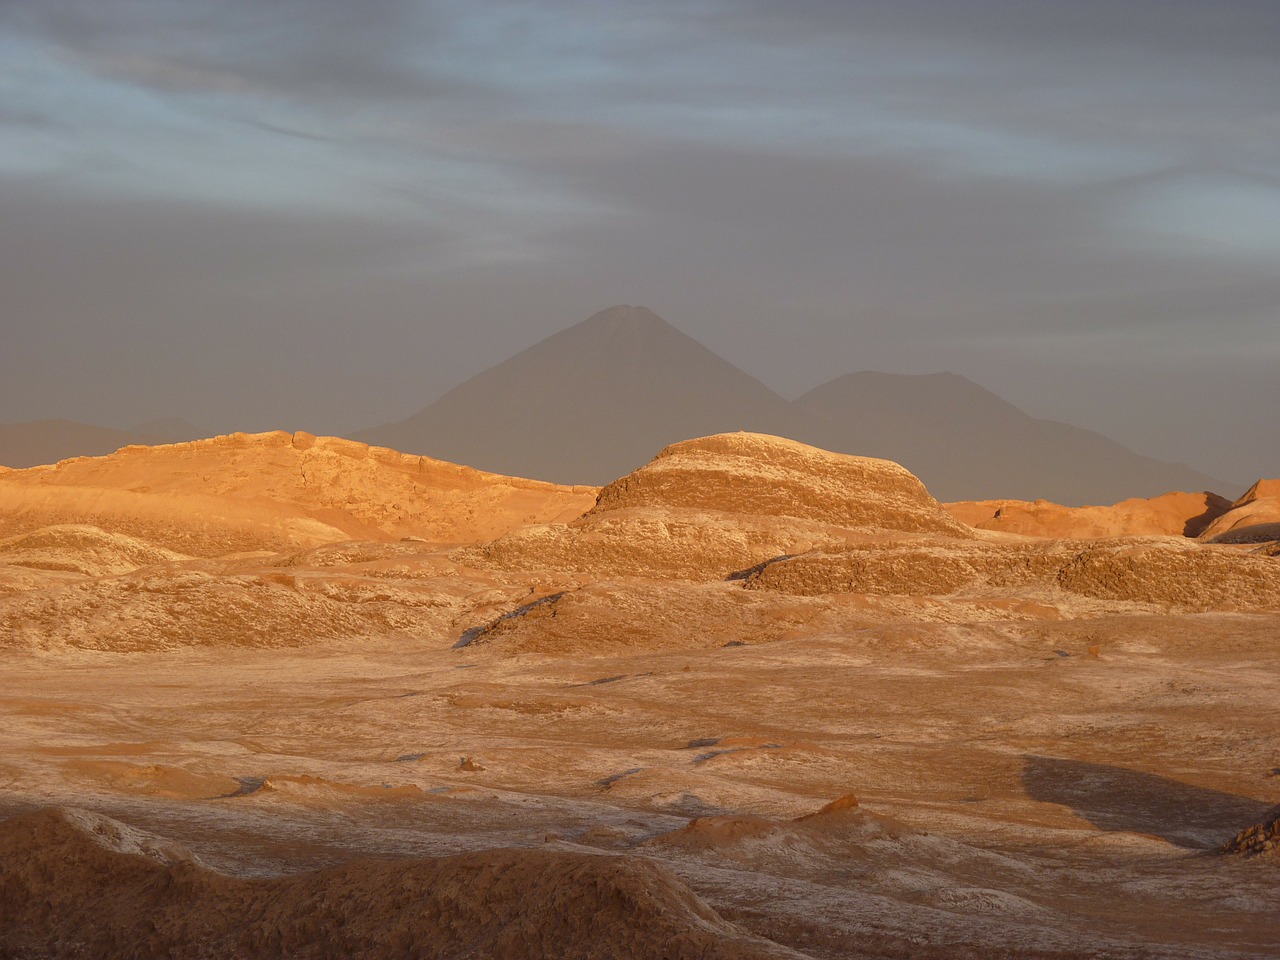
(284, 695)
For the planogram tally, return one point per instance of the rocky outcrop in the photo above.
(756, 475)
(1260, 840)
(708, 508)
(82, 549)
(1162, 572)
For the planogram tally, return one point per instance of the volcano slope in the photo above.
(753, 699)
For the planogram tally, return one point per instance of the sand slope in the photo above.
(1253, 518)
(276, 490)
(1170, 514)
(561, 729)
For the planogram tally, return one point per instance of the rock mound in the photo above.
(839, 828)
(74, 885)
(907, 569)
(81, 838)
(1260, 840)
(615, 616)
(714, 507)
(83, 549)
(764, 476)
(162, 609)
(1186, 576)
(1163, 572)
(1261, 489)
(1168, 515)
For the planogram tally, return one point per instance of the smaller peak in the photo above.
(625, 315)
(1261, 488)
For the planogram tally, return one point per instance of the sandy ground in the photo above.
(1013, 789)
(1046, 780)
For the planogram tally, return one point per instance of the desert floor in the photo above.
(1026, 784)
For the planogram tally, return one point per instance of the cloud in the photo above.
(1031, 192)
(307, 49)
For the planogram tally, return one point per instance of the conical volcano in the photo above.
(592, 403)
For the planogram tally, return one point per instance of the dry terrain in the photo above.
(278, 695)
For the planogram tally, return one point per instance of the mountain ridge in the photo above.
(958, 436)
(596, 400)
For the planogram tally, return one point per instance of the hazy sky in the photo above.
(322, 214)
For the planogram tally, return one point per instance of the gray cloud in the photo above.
(1230, 28)
(308, 49)
(1068, 202)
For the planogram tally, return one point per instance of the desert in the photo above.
(645, 480)
(286, 695)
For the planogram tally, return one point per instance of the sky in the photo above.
(321, 215)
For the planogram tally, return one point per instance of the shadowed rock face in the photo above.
(1253, 518)
(1117, 798)
(76, 884)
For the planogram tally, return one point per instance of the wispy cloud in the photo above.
(809, 186)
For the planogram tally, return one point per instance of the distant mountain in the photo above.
(170, 430)
(597, 400)
(48, 441)
(592, 403)
(965, 442)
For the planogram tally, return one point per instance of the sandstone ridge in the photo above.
(708, 508)
(275, 491)
(761, 475)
